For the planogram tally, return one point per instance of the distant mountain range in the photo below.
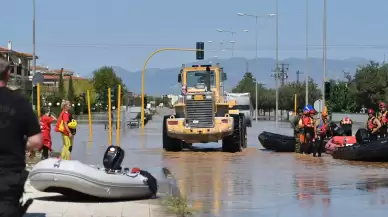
(164, 81)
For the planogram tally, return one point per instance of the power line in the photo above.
(241, 48)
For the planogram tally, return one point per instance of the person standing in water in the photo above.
(307, 123)
(322, 127)
(297, 130)
(383, 118)
(373, 125)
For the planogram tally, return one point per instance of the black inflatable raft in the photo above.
(280, 143)
(277, 142)
(364, 150)
(373, 151)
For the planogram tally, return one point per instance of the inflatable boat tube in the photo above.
(277, 142)
(339, 141)
(376, 151)
(70, 176)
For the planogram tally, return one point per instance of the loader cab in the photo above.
(201, 78)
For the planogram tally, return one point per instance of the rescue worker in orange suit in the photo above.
(383, 118)
(307, 123)
(321, 129)
(373, 124)
(347, 124)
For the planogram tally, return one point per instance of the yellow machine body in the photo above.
(202, 114)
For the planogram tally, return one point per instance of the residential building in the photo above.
(20, 72)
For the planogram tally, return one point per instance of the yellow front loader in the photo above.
(202, 114)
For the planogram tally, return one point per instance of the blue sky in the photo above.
(85, 34)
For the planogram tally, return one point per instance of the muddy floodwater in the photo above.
(254, 182)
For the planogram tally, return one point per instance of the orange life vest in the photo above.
(382, 116)
(308, 121)
(371, 124)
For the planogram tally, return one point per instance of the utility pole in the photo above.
(282, 73)
(255, 82)
(298, 73)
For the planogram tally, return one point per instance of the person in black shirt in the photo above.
(18, 125)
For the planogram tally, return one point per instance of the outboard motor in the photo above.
(113, 158)
(362, 136)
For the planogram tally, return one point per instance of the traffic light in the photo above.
(200, 53)
(327, 90)
(145, 101)
(34, 95)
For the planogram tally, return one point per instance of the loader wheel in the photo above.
(170, 144)
(244, 131)
(234, 142)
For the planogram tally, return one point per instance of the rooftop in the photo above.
(20, 54)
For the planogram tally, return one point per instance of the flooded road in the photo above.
(254, 182)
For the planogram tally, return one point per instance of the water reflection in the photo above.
(378, 188)
(209, 181)
(312, 185)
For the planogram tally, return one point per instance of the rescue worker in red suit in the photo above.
(347, 124)
(307, 123)
(373, 124)
(45, 127)
(383, 118)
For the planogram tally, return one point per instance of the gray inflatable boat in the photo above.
(71, 176)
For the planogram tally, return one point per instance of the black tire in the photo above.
(234, 142)
(170, 144)
(244, 133)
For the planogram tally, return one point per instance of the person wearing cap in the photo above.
(373, 124)
(321, 129)
(383, 118)
(346, 124)
(297, 130)
(18, 126)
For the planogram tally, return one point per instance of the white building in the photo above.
(173, 98)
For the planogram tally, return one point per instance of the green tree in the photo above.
(61, 87)
(371, 84)
(70, 91)
(342, 97)
(104, 78)
(246, 84)
(287, 94)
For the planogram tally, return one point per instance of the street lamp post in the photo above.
(324, 55)
(257, 17)
(307, 52)
(232, 42)
(33, 45)
(277, 65)
(256, 109)
(257, 42)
